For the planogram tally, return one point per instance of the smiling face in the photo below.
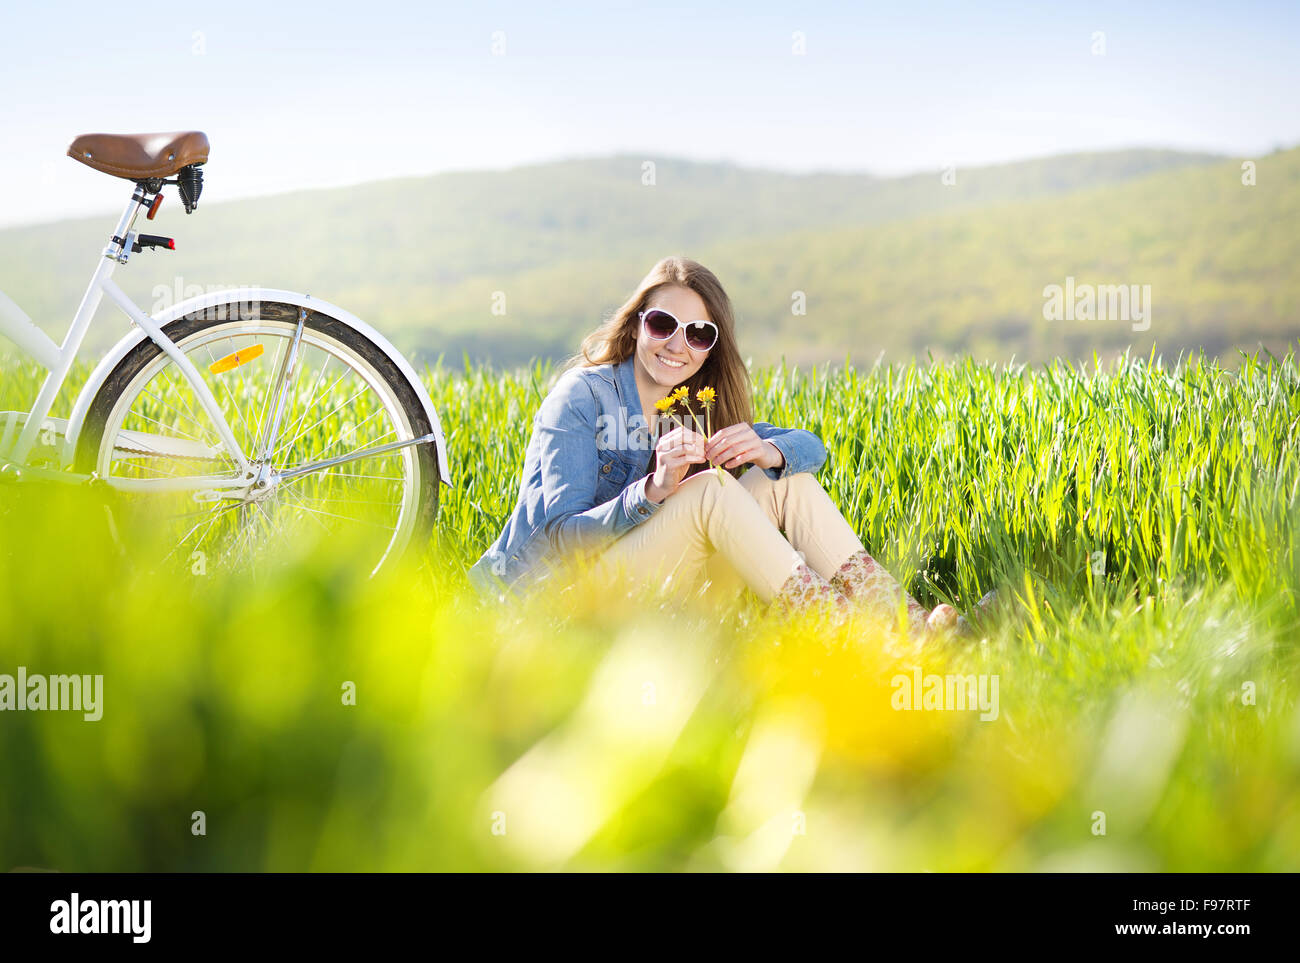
(669, 363)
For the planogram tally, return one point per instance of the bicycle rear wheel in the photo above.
(343, 396)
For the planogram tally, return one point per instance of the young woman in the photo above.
(604, 481)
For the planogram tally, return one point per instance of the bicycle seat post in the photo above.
(119, 248)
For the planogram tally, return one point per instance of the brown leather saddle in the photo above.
(140, 156)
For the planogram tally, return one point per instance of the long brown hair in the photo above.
(723, 369)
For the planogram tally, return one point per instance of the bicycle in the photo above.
(212, 408)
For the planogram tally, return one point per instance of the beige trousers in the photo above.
(728, 532)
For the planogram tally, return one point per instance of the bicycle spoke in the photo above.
(169, 428)
(345, 518)
(312, 396)
(180, 392)
(262, 425)
(212, 516)
(165, 404)
(299, 502)
(363, 390)
(243, 418)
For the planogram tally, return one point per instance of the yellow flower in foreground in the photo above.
(705, 396)
(663, 404)
(681, 394)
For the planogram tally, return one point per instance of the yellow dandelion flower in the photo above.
(705, 396)
(663, 404)
(681, 394)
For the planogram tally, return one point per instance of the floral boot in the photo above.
(805, 589)
(866, 582)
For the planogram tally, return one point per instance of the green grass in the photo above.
(1140, 520)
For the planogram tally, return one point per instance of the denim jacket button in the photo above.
(605, 468)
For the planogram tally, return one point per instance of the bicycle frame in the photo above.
(58, 360)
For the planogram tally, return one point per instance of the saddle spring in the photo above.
(189, 182)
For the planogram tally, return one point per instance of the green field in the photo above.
(1139, 517)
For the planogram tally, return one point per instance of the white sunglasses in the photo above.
(662, 325)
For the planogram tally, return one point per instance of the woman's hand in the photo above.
(675, 452)
(738, 444)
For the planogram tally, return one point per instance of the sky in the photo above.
(329, 94)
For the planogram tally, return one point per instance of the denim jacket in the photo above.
(585, 472)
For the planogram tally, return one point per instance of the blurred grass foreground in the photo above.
(1141, 521)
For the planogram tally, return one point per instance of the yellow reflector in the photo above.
(243, 356)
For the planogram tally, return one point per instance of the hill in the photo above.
(902, 265)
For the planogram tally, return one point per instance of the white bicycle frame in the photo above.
(58, 360)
